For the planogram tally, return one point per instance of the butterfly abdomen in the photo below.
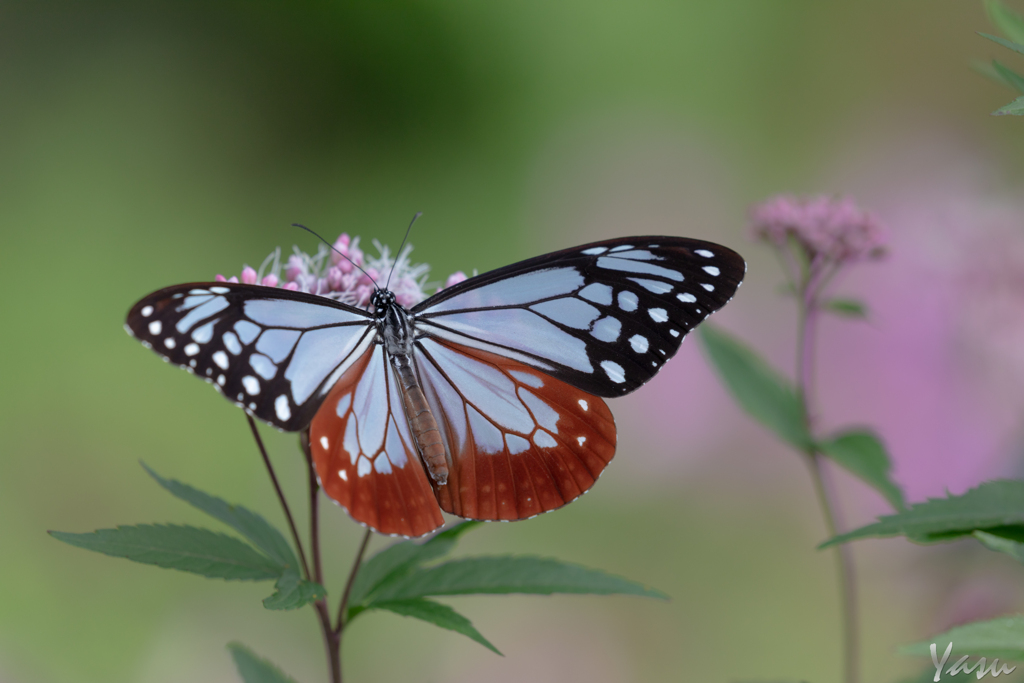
(421, 420)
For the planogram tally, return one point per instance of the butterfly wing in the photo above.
(274, 352)
(602, 317)
(365, 455)
(519, 442)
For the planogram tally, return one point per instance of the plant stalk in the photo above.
(807, 319)
(280, 496)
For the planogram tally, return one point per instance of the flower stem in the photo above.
(332, 639)
(807, 319)
(280, 496)
(340, 623)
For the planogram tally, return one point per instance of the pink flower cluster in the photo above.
(344, 273)
(827, 228)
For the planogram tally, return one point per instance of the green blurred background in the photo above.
(145, 144)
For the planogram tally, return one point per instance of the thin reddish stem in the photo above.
(280, 495)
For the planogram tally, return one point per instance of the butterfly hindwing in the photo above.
(604, 317)
(272, 351)
(519, 442)
(365, 454)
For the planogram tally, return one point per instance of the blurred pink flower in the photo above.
(329, 274)
(826, 228)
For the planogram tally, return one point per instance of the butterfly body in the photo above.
(483, 401)
(395, 330)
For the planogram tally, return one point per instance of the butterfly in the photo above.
(484, 400)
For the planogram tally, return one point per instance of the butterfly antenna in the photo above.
(399, 252)
(319, 237)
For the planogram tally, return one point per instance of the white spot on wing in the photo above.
(527, 378)
(221, 379)
(219, 290)
(614, 371)
(622, 247)
(652, 286)
(584, 404)
(203, 334)
(544, 440)
(581, 440)
(232, 344)
(628, 301)
(516, 444)
(711, 270)
(251, 384)
(607, 329)
(155, 327)
(703, 252)
(146, 311)
(281, 408)
(343, 403)
(221, 359)
(170, 343)
(192, 349)
(686, 297)
(597, 292)
(708, 287)
(674, 333)
(658, 315)
(594, 251)
(639, 343)
(343, 474)
(363, 466)
(323, 442)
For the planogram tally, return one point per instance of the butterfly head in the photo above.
(382, 300)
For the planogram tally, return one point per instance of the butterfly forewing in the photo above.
(604, 317)
(365, 454)
(274, 352)
(519, 442)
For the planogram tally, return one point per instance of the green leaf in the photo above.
(991, 505)
(253, 669)
(187, 548)
(862, 454)
(1015, 108)
(1006, 20)
(508, 574)
(848, 308)
(249, 524)
(1016, 47)
(766, 395)
(1008, 76)
(437, 614)
(1003, 638)
(292, 592)
(400, 558)
(1001, 544)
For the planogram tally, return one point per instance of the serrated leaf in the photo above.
(1016, 47)
(437, 614)
(862, 453)
(762, 392)
(1006, 20)
(185, 548)
(1008, 76)
(254, 669)
(848, 308)
(509, 574)
(399, 558)
(1015, 108)
(1003, 638)
(991, 505)
(248, 523)
(1001, 544)
(292, 592)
